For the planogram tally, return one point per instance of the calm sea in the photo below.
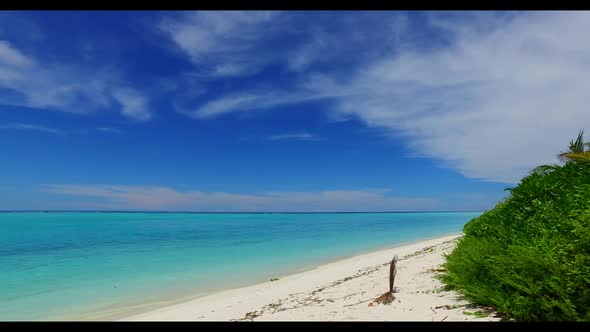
(87, 265)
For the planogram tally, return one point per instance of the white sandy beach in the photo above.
(340, 291)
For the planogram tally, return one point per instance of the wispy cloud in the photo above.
(165, 198)
(109, 130)
(248, 101)
(492, 96)
(134, 104)
(503, 97)
(341, 41)
(224, 46)
(58, 86)
(238, 43)
(291, 136)
(502, 94)
(33, 127)
(12, 57)
(219, 41)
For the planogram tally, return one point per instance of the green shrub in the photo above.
(529, 257)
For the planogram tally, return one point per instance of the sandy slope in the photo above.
(340, 291)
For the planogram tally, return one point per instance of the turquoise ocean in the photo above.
(102, 265)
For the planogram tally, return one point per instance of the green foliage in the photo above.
(478, 314)
(529, 257)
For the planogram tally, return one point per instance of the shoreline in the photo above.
(249, 302)
(111, 312)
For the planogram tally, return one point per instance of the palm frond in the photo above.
(578, 156)
(577, 146)
(577, 150)
(563, 157)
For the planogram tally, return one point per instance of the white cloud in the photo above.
(164, 198)
(109, 130)
(231, 104)
(246, 101)
(219, 41)
(498, 95)
(12, 57)
(225, 44)
(291, 136)
(301, 58)
(503, 95)
(134, 104)
(229, 69)
(64, 87)
(343, 40)
(492, 104)
(28, 126)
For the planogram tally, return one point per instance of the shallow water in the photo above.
(58, 265)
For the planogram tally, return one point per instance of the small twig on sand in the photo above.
(351, 295)
(350, 305)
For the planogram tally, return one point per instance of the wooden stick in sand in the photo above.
(388, 297)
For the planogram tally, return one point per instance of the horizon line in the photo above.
(229, 212)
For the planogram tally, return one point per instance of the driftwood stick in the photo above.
(388, 297)
(392, 273)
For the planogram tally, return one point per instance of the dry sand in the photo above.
(341, 291)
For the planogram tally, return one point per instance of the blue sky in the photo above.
(284, 111)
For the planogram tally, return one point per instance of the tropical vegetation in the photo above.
(529, 257)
